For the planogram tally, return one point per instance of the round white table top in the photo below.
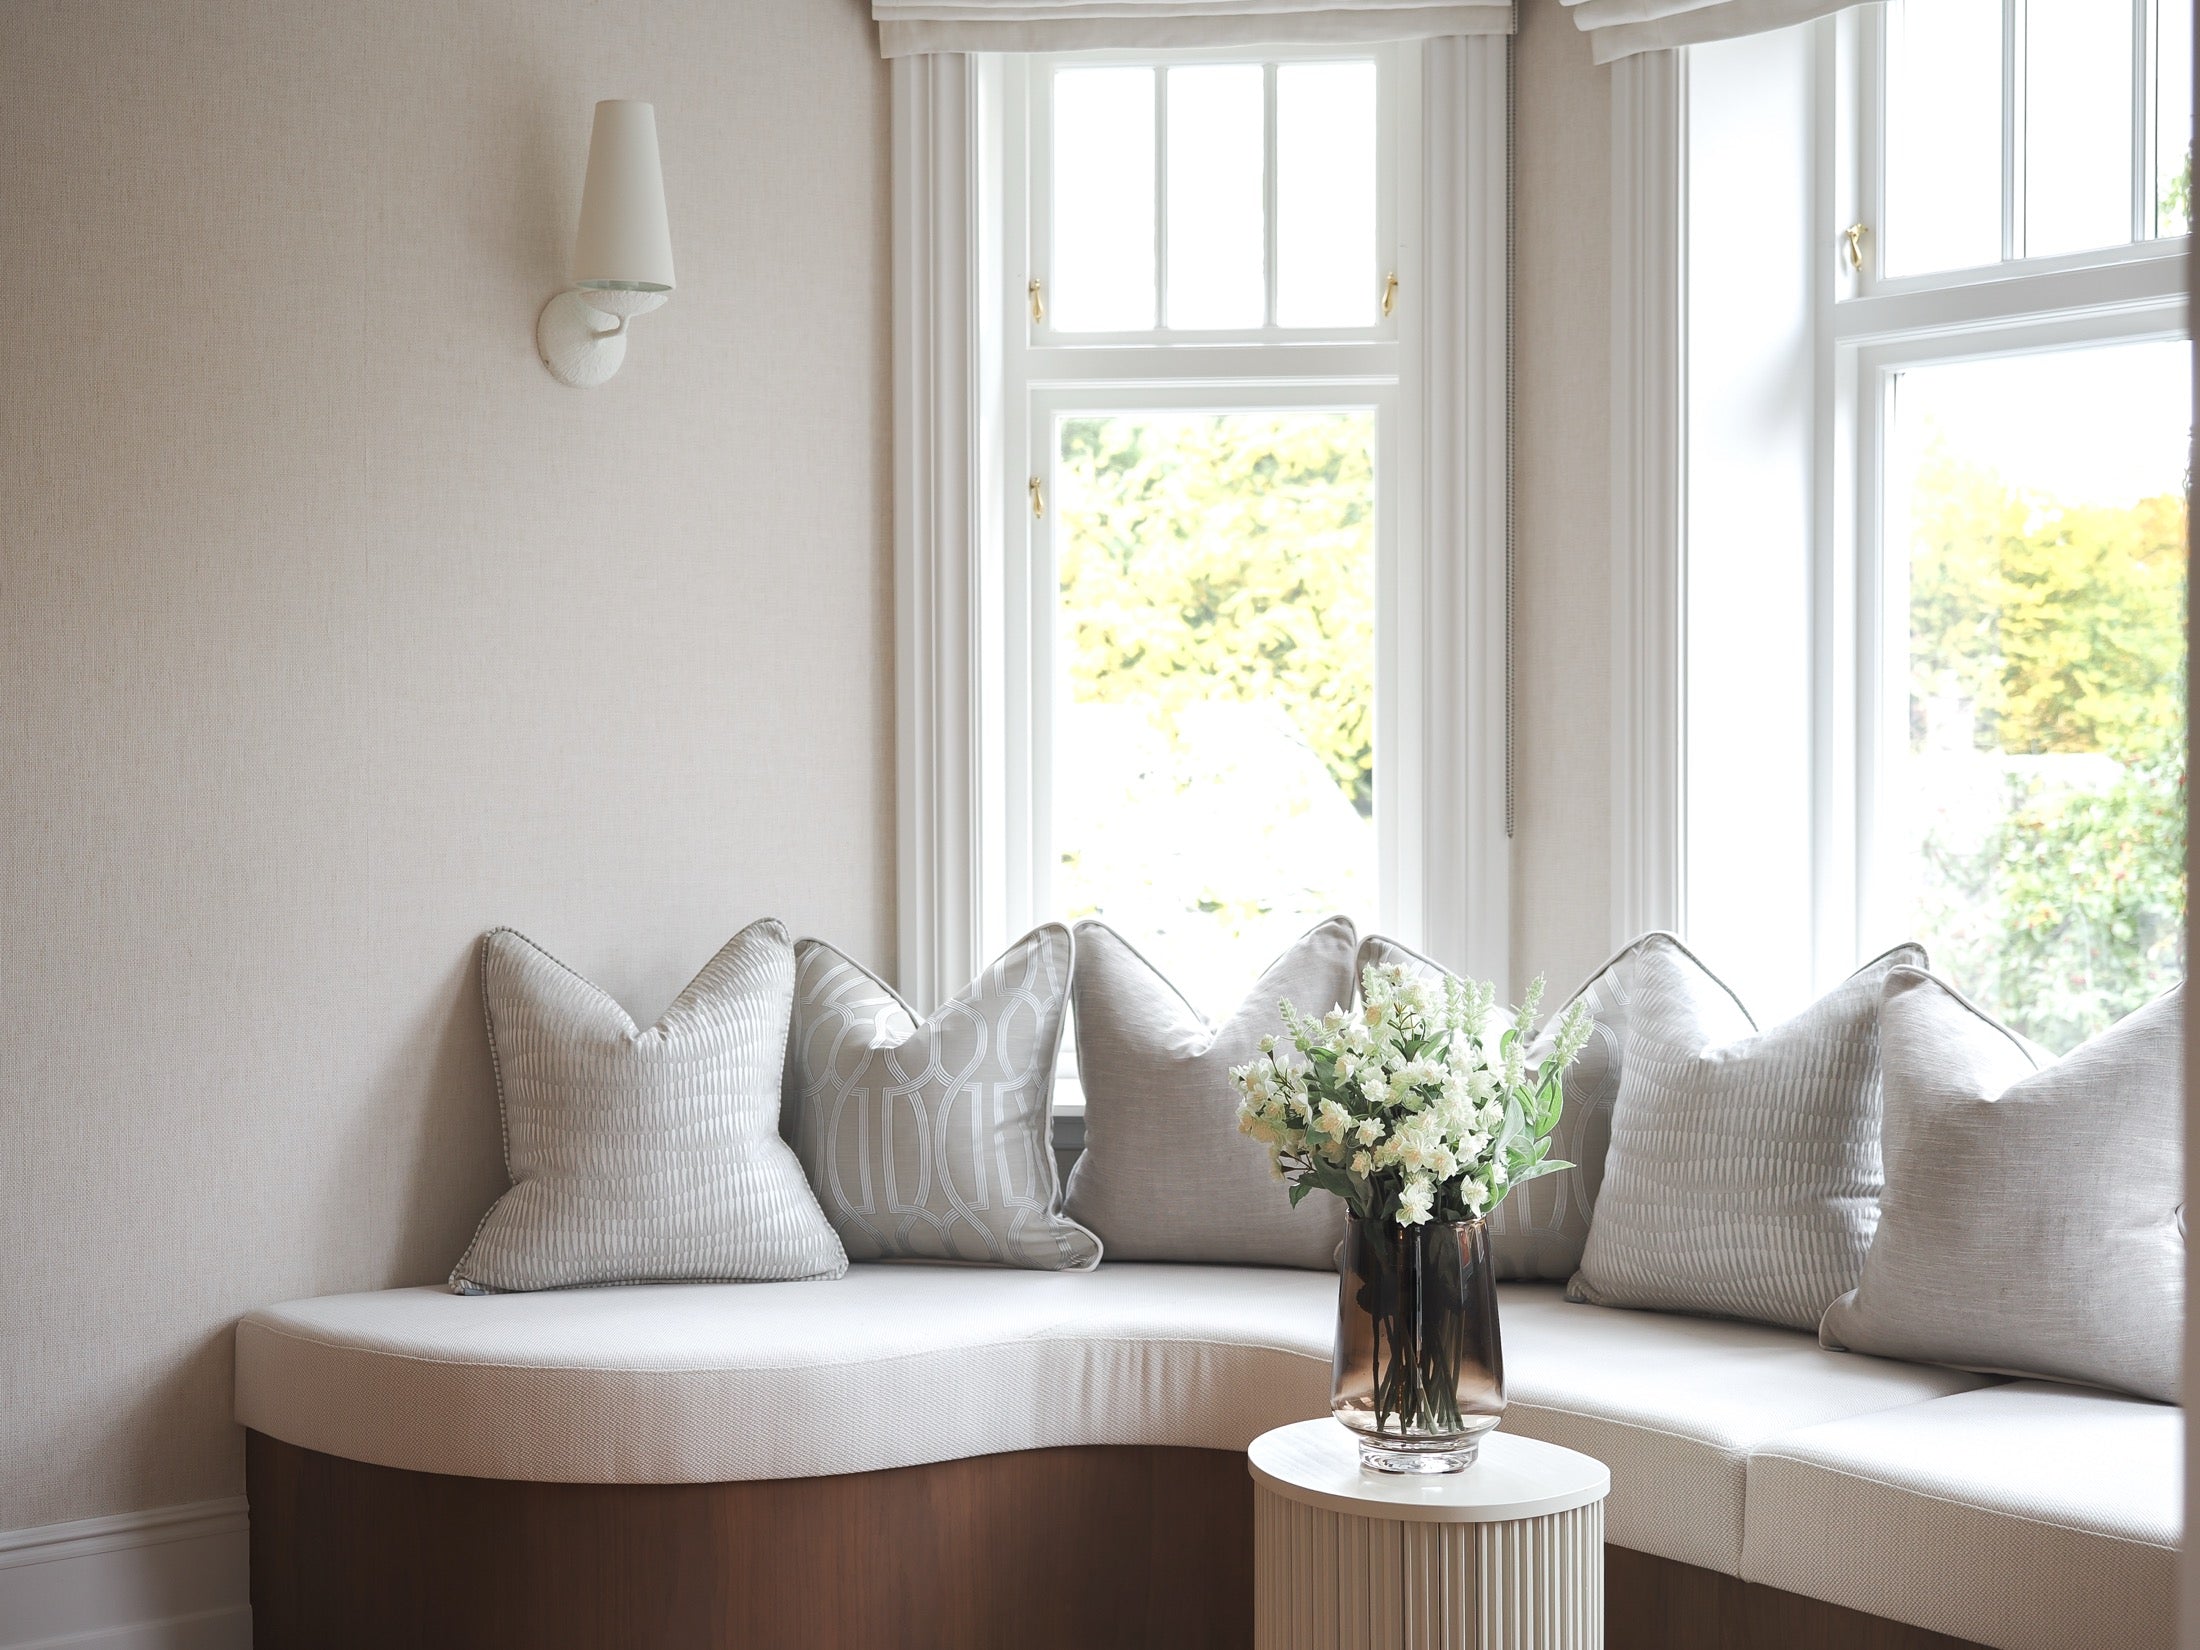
(1318, 1462)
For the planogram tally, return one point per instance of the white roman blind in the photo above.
(910, 28)
(1621, 28)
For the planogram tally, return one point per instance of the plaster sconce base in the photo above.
(582, 336)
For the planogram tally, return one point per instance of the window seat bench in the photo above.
(922, 1455)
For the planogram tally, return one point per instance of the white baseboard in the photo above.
(174, 1578)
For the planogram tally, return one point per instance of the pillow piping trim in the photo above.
(1213, 1030)
(1053, 1059)
(1949, 990)
(459, 1285)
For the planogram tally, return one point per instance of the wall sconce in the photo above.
(622, 257)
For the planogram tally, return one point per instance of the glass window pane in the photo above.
(2077, 125)
(1214, 777)
(2173, 118)
(1103, 274)
(1326, 256)
(1943, 118)
(2038, 820)
(1217, 217)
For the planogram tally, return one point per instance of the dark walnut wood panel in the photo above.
(1116, 1548)
(1657, 1604)
(1065, 1549)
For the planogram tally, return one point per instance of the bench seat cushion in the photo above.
(897, 1365)
(2031, 1516)
(1675, 1405)
(890, 1366)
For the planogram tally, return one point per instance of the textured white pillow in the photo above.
(1165, 1173)
(1540, 1229)
(1743, 1175)
(643, 1156)
(933, 1140)
(2033, 1221)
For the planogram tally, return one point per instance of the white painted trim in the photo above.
(1649, 481)
(173, 1578)
(965, 632)
(943, 464)
(1868, 326)
(86, 1537)
(1465, 856)
(1048, 373)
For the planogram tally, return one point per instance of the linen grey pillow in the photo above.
(2033, 1220)
(1165, 1174)
(643, 1156)
(1743, 1175)
(1540, 1229)
(932, 1140)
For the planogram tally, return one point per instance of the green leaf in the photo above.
(1514, 1127)
(1536, 1171)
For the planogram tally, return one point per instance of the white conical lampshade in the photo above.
(624, 242)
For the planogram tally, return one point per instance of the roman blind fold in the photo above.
(909, 27)
(1621, 28)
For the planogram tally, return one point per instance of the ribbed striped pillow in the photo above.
(1743, 1176)
(644, 1156)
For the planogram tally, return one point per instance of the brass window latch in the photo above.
(1038, 299)
(1853, 246)
(1038, 498)
(1390, 292)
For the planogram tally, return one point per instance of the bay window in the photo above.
(1933, 530)
(1201, 508)
(1206, 401)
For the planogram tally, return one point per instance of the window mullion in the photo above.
(1268, 186)
(2012, 129)
(1161, 197)
(2142, 173)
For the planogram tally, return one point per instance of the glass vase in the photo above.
(1419, 1373)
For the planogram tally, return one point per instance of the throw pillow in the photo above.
(932, 1139)
(1743, 1175)
(1165, 1173)
(2033, 1220)
(1540, 1229)
(643, 1156)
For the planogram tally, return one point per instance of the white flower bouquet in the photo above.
(1408, 1108)
(1420, 1110)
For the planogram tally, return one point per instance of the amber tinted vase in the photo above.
(1420, 1373)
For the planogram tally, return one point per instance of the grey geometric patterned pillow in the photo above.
(1539, 1231)
(643, 1156)
(1744, 1173)
(933, 1141)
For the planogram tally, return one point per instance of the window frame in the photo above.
(1865, 330)
(1874, 328)
(1030, 162)
(1861, 34)
(963, 600)
(1048, 376)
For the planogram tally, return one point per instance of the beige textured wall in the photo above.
(333, 631)
(1562, 845)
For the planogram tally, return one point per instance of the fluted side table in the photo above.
(1508, 1555)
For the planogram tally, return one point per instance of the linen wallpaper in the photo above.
(333, 632)
(1562, 850)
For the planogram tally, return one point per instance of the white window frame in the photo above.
(968, 378)
(1049, 375)
(1867, 329)
(1873, 328)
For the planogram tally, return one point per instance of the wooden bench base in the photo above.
(1096, 1548)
